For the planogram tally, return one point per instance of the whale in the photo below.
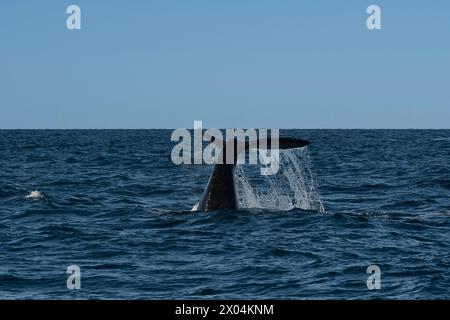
(220, 192)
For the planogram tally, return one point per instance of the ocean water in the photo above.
(112, 203)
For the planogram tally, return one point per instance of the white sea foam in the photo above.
(34, 195)
(194, 208)
(441, 139)
(292, 187)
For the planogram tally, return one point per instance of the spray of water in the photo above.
(292, 187)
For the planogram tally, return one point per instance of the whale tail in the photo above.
(220, 193)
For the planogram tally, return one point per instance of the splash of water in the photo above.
(292, 187)
(34, 195)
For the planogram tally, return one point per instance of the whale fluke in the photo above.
(220, 193)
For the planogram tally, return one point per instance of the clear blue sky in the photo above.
(234, 63)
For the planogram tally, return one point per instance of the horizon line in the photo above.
(4, 129)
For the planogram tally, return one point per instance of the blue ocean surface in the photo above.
(113, 203)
